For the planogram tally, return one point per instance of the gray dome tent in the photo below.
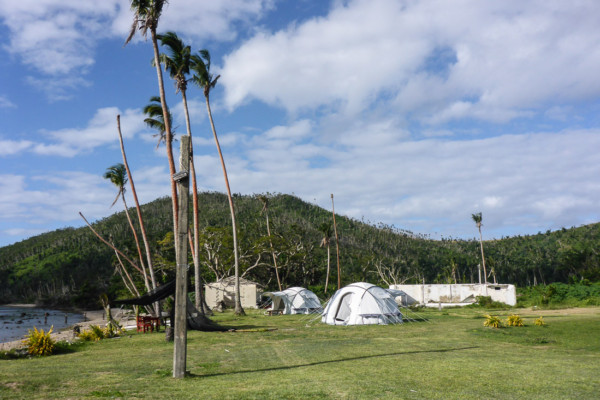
(294, 300)
(361, 304)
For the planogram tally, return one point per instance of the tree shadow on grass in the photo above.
(330, 362)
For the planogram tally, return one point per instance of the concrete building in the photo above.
(455, 295)
(224, 291)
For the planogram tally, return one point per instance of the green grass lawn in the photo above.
(451, 356)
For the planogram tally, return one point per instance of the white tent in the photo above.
(294, 300)
(361, 304)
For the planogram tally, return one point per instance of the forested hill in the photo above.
(72, 266)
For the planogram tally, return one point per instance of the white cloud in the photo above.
(58, 38)
(101, 130)
(213, 20)
(12, 147)
(6, 103)
(538, 180)
(438, 60)
(55, 36)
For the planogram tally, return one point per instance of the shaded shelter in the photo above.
(195, 319)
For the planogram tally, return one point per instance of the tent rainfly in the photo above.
(294, 300)
(361, 304)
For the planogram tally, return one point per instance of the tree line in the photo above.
(71, 266)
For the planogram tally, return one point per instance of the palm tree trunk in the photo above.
(483, 260)
(137, 242)
(129, 284)
(139, 211)
(337, 245)
(273, 251)
(195, 252)
(238, 304)
(110, 244)
(168, 132)
(328, 263)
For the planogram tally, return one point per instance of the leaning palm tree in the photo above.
(177, 64)
(205, 80)
(117, 174)
(325, 229)
(477, 218)
(146, 14)
(265, 201)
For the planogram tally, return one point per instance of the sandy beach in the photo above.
(94, 317)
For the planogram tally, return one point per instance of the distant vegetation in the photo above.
(72, 267)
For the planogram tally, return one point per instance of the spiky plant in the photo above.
(492, 321)
(39, 343)
(514, 320)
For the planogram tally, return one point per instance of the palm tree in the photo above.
(155, 120)
(265, 200)
(146, 14)
(477, 218)
(325, 229)
(118, 176)
(177, 63)
(202, 77)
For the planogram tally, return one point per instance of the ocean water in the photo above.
(15, 322)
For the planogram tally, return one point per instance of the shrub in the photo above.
(492, 321)
(514, 320)
(39, 343)
(93, 334)
(540, 322)
(487, 302)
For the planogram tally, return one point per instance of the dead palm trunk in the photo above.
(139, 212)
(337, 245)
(328, 264)
(137, 242)
(265, 201)
(273, 253)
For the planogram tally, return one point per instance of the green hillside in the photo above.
(72, 267)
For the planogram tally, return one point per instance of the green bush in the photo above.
(487, 302)
(39, 343)
(560, 294)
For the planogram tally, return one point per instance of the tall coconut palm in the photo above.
(177, 63)
(146, 14)
(265, 201)
(205, 80)
(477, 218)
(118, 176)
(325, 229)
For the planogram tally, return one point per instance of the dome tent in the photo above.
(361, 304)
(294, 300)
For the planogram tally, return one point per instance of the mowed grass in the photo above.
(451, 356)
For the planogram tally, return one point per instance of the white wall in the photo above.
(457, 294)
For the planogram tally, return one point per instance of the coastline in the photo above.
(92, 317)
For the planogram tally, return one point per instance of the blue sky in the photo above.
(413, 113)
